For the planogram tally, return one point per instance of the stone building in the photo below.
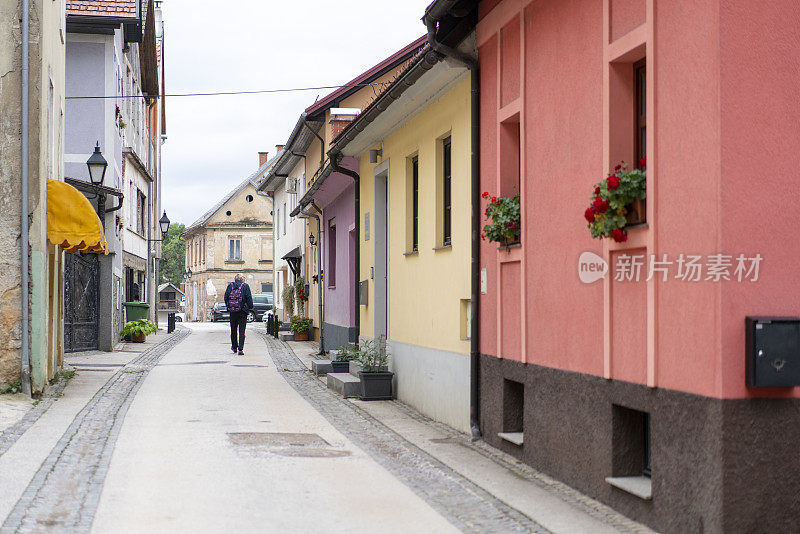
(235, 236)
(44, 135)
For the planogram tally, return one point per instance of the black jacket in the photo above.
(247, 298)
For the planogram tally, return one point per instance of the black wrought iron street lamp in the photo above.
(312, 239)
(97, 166)
(163, 222)
(188, 274)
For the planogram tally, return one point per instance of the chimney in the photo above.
(278, 149)
(262, 158)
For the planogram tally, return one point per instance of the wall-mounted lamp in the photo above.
(312, 239)
(97, 166)
(375, 154)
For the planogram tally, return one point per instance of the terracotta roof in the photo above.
(102, 8)
(366, 77)
(397, 80)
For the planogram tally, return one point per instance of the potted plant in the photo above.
(376, 379)
(341, 361)
(504, 214)
(618, 202)
(300, 327)
(138, 330)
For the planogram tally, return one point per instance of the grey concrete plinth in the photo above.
(321, 367)
(287, 337)
(345, 384)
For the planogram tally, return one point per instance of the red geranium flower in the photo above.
(485, 194)
(596, 190)
(589, 214)
(483, 237)
(600, 205)
(613, 182)
(643, 161)
(494, 199)
(619, 235)
(618, 167)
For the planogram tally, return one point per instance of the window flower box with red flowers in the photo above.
(504, 214)
(617, 203)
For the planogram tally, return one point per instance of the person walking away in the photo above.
(239, 302)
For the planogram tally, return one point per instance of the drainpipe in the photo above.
(334, 159)
(321, 143)
(319, 267)
(475, 268)
(149, 199)
(25, 375)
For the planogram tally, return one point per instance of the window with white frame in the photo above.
(235, 248)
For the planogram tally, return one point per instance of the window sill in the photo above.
(443, 247)
(640, 486)
(412, 253)
(637, 226)
(331, 287)
(516, 244)
(234, 261)
(512, 437)
(264, 261)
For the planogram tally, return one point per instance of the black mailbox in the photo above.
(773, 351)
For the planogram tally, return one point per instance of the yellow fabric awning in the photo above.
(72, 222)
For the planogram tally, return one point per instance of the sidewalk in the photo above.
(30, 429)
(552, 504)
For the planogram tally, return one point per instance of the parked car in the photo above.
(262, 304)
(219, 312)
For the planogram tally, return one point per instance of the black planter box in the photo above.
(376, 386)
(340, 366)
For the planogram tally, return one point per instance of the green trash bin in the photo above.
(136, 310)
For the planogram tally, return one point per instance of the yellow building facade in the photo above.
(415, 249)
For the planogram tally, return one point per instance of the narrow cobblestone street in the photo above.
(186, 437)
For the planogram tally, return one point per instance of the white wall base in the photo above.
(435, 382)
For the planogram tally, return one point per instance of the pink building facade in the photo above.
(635, 392)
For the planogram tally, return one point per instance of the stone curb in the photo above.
(466, 505)
(64, 494)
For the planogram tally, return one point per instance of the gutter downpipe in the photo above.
(150, 200)
(475, 267)
(319, 266)
(321, 144)
(25, 374)
(334, 159)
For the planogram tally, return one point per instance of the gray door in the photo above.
(381, 224)
(81, 302)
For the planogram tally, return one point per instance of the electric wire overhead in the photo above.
(223, 93)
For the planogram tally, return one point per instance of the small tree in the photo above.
(288, 300)
(300, 295)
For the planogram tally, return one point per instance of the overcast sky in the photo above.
(240, 45)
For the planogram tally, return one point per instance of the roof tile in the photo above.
(102, 8)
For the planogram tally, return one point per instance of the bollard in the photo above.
(170, 323)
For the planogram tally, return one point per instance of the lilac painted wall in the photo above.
(339, 306)
(84, 118)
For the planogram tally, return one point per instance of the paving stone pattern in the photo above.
(466, 505)
(64, 493)
(10, 435)
(577, 499)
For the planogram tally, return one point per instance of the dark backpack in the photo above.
(235, 298)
